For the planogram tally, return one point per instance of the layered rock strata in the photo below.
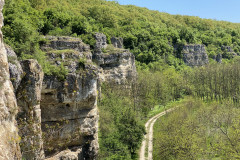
(58, 117)
(9, 141)
(116, 64)
(69, 107)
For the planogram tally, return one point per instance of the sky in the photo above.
(227, 10)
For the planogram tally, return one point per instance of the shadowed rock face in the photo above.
(69, 107)
(27, 78)
(195, 55)
(218, 58)
(29, 117)
(15, 68)
(117, 42)
(9, 141)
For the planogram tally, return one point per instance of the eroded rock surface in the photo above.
(69, 106)
(29, 117)
(9, 141)
(117, 42)
(15, 68)
(101, 42)
(116, 64)
(195, 55)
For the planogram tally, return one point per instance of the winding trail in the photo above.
(148, 138)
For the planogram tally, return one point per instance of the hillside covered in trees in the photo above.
(150, 35)
(154, 38)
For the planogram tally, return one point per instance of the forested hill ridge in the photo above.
(151, 35)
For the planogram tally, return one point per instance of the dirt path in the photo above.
(148, 138)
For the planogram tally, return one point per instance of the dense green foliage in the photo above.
(206, 128)
(198, 130)
(123, 110)
(121, 131)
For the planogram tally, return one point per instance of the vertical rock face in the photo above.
(195, 55)
(101, 43)
(9, 147)
(117, 42)
(116, 64)
(69, 107)
(29, 117)
(15, 68)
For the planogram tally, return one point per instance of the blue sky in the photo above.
(227, 10)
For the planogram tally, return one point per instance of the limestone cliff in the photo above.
(9, 147)
(58, 117)
(69, 107)
(194, 55)
(29, 116)
(116, 64)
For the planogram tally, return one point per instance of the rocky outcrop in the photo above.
(58, 116)
(9, 141)
(116, 65)
(228, 52)
(29, 117)
(195, 55)
(15, 68)
(69, 106)
(101, 43)
(27, 78)
(117, 42)
(218, 58)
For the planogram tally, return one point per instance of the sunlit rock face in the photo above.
(195, 55)
(117, 65)
(9, 141)
(69, 106)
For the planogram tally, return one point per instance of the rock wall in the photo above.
(69, 107)
(116, 64)
(9, 141)
(195, 55)
(117, 42)
(29, 117)
(27, 77)
(58, 117)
